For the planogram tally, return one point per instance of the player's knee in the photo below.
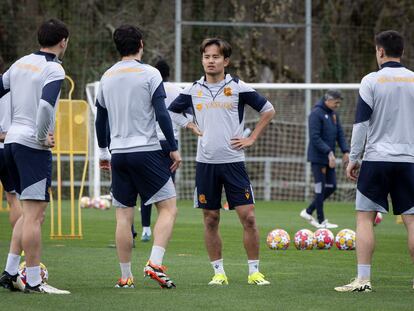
(211, 221)
(249, 222)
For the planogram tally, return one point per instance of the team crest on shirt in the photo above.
(199, 107)
(202, 199)
(326, 116)
(228, 91)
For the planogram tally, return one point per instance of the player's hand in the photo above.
(176, 158)
(242, 143)
(345, 159)
(50, 140)
(352, 170)
(105, 165)
(332, 160)
(2, 136)
(104, 159)
(194, 128)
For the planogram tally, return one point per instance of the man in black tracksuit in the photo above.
(325, 130)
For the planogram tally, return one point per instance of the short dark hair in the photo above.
(391, 41)
(164, 69)
(51, 32)
(127, 39)
(224, 46)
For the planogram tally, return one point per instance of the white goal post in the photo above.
(277, 162)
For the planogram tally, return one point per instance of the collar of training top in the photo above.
(50, 57)
(227, 78)
(391, 65)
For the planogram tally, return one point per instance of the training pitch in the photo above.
(301, 280)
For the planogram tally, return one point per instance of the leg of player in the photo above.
(167, 213)
(251, 243)
(8, 279)
(328, 190)
(123, 239)
(146, 222)
(214, 245)
(15, 208)
(364, 249)
(319, 179)
(409, 225)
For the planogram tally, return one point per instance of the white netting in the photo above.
(277, 162)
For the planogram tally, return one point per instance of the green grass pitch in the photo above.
(301, 280)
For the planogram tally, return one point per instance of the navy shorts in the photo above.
(31, 171)
(378, 179)
(210, 179)
(143, 173)
(5, 178)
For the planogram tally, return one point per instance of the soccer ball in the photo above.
(378, 219)
(44, 274)
(345, 240)
(304, 239)
(85, 202)
(324, 238)
(278, 239)
(104, 204)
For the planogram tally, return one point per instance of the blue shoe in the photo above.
(145, 237)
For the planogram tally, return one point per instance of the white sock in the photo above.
(12, 265)
(125, 270)
(218, 266)
(157, 255)
(364, 272)
(33, 276)
(253, 266)
(146, 230)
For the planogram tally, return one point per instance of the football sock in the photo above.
(364, 272)
(12, 265)
(253, 266)
(33, 276)
(125, 270)
(146, 230)
(218, 266)
(157, 254)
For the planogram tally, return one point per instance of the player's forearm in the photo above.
(359, 134)
(164, 121)
(180, 119)
(264, 120)
(2, 136)
(43, 120)
(100, 126)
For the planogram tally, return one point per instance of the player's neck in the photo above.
(51, 50)
(215, 78)
(137, 56)
(390, 59)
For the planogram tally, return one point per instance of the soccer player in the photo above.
(218, 101)
(384, 124)
(5, 178)
(325, 130)
(131, 97)
(34, 82)
(172, 91)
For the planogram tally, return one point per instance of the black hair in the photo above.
(127, 40)
(51, 32)
(392, 42)
(164, 69)
(224, 46)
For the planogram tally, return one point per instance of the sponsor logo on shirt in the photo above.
(202, 199)
(28, 67)
(219, 105)
(123, 70)
(384, 79)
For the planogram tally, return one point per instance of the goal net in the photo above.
(277, 163)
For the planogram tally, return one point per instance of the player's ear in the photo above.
(226, 61)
